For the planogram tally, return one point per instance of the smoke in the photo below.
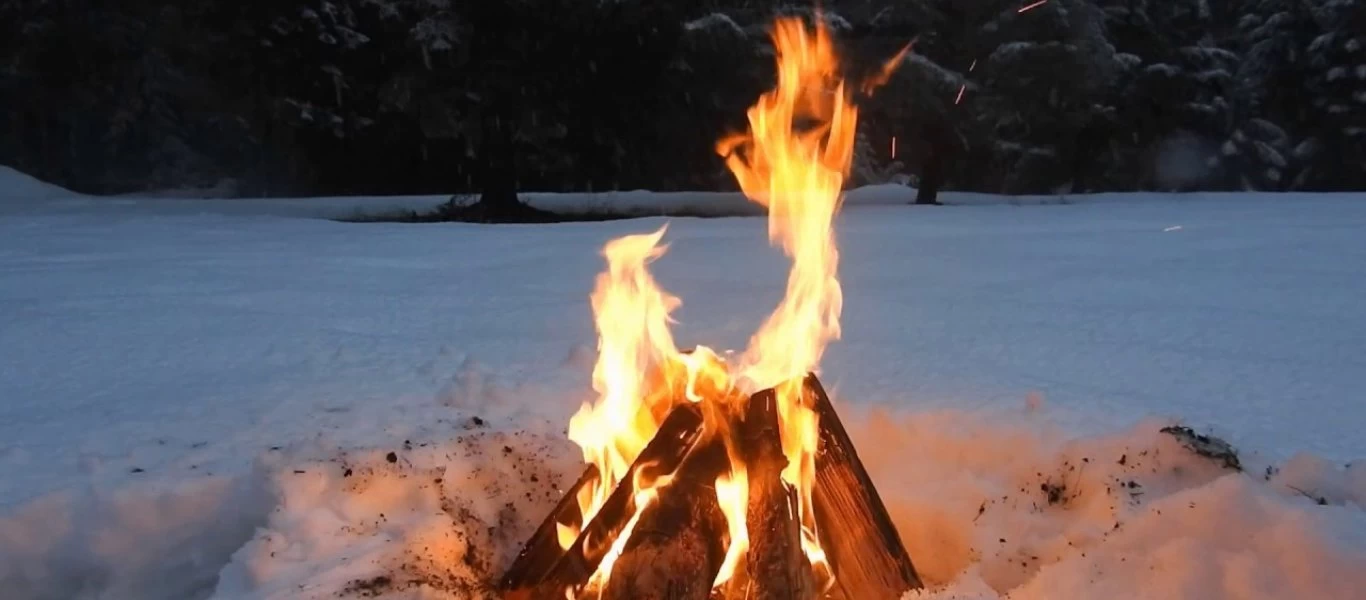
(1180, 162)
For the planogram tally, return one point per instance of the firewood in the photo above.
(775, 566)
(543, 548)
(675, 551)
(541, 551)
(677, 436)
(861, 542)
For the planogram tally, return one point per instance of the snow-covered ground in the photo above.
(237, 399)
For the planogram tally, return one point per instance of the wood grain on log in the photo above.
(775, 566)
(861, 542)
(542, 550)
(677, 436)
(675, 548)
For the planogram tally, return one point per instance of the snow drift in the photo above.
(19, 187)
(987, 508)
(990, 506)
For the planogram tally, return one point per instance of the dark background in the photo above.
(286, 97)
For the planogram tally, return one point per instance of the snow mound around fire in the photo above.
(986, 509)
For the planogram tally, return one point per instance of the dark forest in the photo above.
(301, 97)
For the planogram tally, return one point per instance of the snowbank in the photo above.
(16, 187)
(708, 204)
(167, 540)
(989, 506)
(638, 203)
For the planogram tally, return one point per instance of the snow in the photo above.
(1163, 69)
(1129, 61)
(1322, 42)
(1269, 155)
(931, 70)
(239, 399)
(18, 189)
(713, 22)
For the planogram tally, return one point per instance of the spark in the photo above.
(1033, 6)
(964, 87)
(894, 147)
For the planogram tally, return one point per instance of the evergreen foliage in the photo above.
(464, 96)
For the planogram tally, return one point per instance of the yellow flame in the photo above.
(884, 74)
(639, 374)
(794, 160)
(632, 318)
(646, 494)
(732, 491)
(566, 534)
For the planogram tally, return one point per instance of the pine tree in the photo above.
(1046, 74)
(1334, 148)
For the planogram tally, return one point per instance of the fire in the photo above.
(634, 343)
(794, 160)
(639, 373)
(732, 491)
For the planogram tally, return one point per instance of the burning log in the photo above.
(543, 548)
(864, 548)
(542, 560)
(675, 550)
(775, 566)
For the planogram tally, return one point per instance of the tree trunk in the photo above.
(498, 177)
(932, 175)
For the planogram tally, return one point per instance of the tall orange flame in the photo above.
(794, 160)
(634, 343)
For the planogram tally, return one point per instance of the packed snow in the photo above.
(239, 399)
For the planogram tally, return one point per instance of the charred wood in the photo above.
(775, 566)
(543, 548)
(675, 550)
(677, 436)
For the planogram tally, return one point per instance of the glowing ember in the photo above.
(1032, 6)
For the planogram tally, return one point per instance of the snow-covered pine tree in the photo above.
(1047, 73)
(112, 98)
(1271, 110)
(1172, 98)
(1334, 149)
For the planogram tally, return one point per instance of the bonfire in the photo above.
(729, 477)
